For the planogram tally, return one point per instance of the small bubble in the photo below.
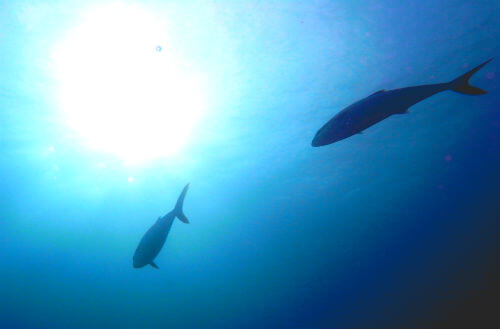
(159, 48)
(130, 179)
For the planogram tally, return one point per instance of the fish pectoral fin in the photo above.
(154, 265)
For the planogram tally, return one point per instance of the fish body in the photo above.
(153, 240)
(384, 103)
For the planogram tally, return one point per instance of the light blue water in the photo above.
(397, 227)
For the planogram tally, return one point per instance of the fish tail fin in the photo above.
(461, 84)
(178, 206)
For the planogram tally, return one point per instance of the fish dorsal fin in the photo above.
(154, 265)
(378, 92)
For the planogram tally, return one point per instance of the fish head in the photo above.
(320, 138)
(139, 261)
(138, 264)
(338, 128)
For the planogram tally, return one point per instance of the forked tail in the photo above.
(461, 84)
(178, 206)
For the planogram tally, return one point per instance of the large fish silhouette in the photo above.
(384, 103)
(153, 240)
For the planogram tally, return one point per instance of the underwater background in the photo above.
(397, 227)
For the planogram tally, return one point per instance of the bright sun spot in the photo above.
(121, 86)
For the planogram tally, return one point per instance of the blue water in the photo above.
(397, 227)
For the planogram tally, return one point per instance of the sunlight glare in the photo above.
(121, 86)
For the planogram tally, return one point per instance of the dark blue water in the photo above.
(397, 227)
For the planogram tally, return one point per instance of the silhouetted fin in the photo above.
(461, 84)
(377, 92)
(178, 206)
(154, 265)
